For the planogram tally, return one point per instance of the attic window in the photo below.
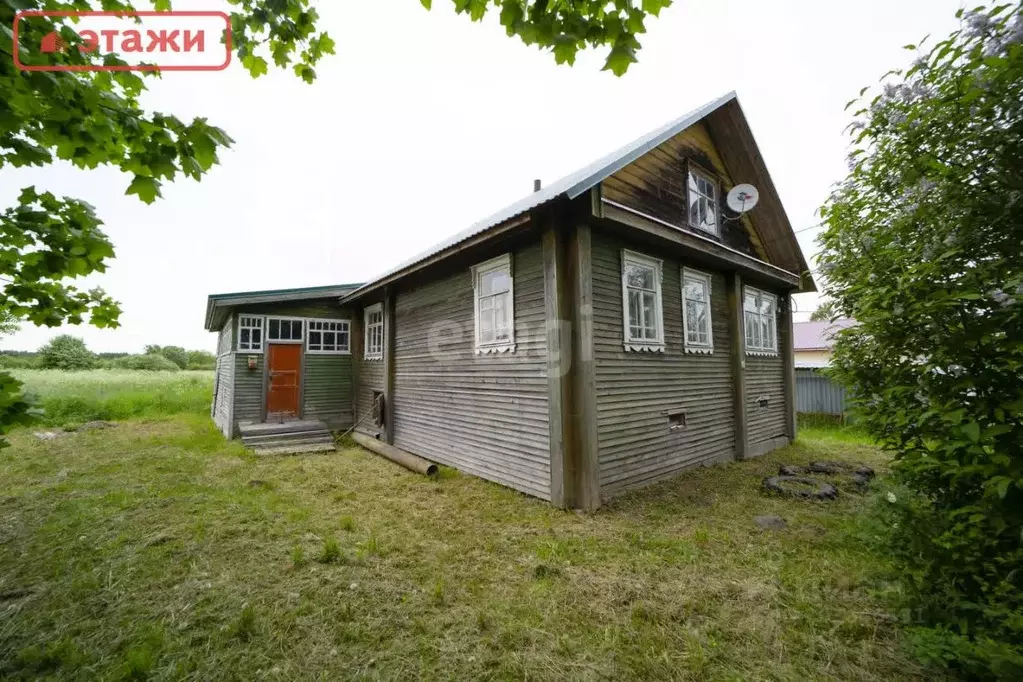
(703, 201)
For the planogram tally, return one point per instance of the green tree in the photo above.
(150, 362)
(922, 247)
(564, 28)
(823, 313)
(176, 354)
(92, 119)
(201, 359)
(66, 352)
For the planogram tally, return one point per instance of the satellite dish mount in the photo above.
(741, 199)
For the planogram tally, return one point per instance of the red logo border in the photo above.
(118, 67)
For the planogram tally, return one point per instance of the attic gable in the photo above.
(656, 185)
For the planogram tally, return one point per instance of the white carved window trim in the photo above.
(632, 343)
(250, 324)
(373, 332)
(759, 341)
(479, 271)
(270, 319)
(703, 279)
(709, 192)
(322, 327)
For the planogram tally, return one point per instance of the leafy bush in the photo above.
(151, 362)
(66, 352)
(176, 354)
(17, 362)
(922, 247)
(200, 359)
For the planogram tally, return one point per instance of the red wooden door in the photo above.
(284, 362)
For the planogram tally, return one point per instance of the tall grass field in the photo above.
(72, 398)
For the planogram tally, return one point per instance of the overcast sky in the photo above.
(424, 122)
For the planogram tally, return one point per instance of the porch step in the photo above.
(268, 428)
(295, 449)
(281, 438)
(291, 437)
(280, 441)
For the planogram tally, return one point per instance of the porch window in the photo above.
(494, 305)
(283, 330)
(328, 336)
(759, 308)
(642, 319)
(373, 317)
(250, 333)
(703, 201)
(696, 311)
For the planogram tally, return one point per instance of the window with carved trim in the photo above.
(494, 305)
(643, 320)
(696, 311)
(373, 339)
(759, 310)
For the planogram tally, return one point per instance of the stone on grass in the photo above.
(95, 425)
(49, 435)
(771, 522)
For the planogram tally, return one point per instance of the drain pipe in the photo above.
(396, 455)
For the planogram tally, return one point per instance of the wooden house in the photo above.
(605, 332)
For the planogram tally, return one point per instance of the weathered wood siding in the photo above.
(223, 404)
(225, 337)
(636, 389)
(326, 308)
(326, 379)
(327, 389)
(765, 378)
(369, 378)
(655, 184)
(484, 414)
(248, 388)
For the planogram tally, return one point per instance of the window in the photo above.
(759, 309)
(328, 336)
(250, 333)
(495, 309)
(641, 293)
(283, 330)
(703, 201)
(696, 311)
(373, 317)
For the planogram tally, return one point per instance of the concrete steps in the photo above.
(289, 437)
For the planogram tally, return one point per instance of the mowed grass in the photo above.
(73, 398)
(157, 550)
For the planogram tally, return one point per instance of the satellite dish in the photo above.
(743, 198)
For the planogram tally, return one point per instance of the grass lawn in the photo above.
(73, 398)
(158, 550)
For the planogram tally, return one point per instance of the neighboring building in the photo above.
(605, 332)
(813, 341)
(816, 393)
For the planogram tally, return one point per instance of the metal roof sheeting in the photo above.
(217, 303)
(570, 186)
(818, 335)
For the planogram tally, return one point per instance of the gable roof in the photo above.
(218, 306)
(584, 179)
